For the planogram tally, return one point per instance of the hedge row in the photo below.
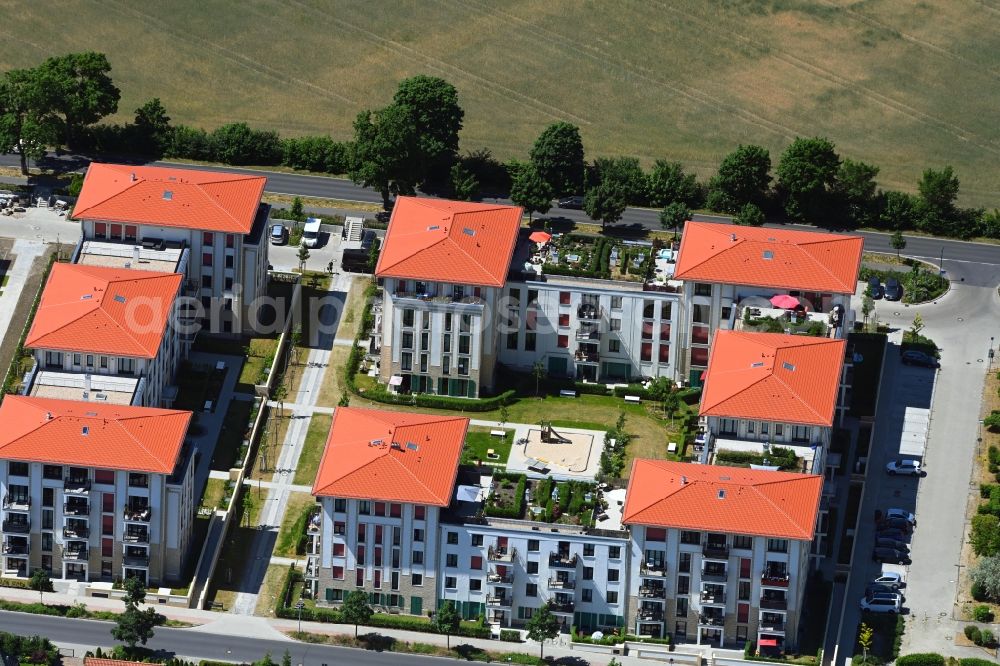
(516, 509)
(921, 659)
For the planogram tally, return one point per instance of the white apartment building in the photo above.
(733, 277)
(382, 483)
(217, 220)
(720, 555)
(95, 322)
(95, 492)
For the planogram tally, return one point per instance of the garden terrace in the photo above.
(775, 320)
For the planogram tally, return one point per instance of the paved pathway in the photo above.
(25, 252)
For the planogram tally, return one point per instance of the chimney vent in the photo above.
(684, 480)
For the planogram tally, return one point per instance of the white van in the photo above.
(310, 232)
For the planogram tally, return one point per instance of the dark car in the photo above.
(875, 287)
(576, 203)
(881, 588)
(893, 290)
(914, 357)
(886, 542)
(890, 555)
(383, 216)
(895, 534)
(900, 524)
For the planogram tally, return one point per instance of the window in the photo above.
(452, 538)
(684, 562)
(588, 550)
(777, 545)
(612, 596)
(90, 360)
(395, 510)
(377, 579)
(588, 573)
(359, 577)
(408, 318)
(702, 289)
(562, 341)
(419, 512)
(728, 426)
(463, 365)
(47, 519)
(406, 361)
(616, 324)
(476, 562)
(53, 359)
(532, 296)
(100, 230)
(646, 351)
(48, 497)
(207, 238)
(450, 582)
(418, 557)
(612, 575)
(614, 552)
(531, 590)
(475, 585)
(116, 231)
(477, 539)
(137, 480)
(512, 340)
(52, 472)
(339, 527)
(379, 509)
(108, 525)
(464, 344)
(514, 295)
(465, 324)
(126, 366)
(800, 433)
(47, 541)
(451, 560)
(338, 550)
(447, 323)
(425, 340)
(228, 284)
(664, 354)
(206, 281)
(751, 427)
(648, 306)
(741, 633)
(361, 555)
(742, 541)
(563, 320)
(529, 341)
(680, 628)
(647, 331)
(107, 547)
(531, 567)
(77, 359)
(104, 362)
(206, 258)
(230, 261)
(406, 340)
(17, 468)
(779, 430)
(230, 240)
(362, 532)
(423, 362)
(682, 607)
(340, 505)
(616, 302)
(764, 427)
(744, 590)
(417, 579)
(108, 502)
(742, 613)
(564, 297)
(588, 595)
(532, 545)
(614, 346)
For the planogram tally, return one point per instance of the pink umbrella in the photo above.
(540, 237)
(784, 301)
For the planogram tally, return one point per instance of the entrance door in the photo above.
(557, 366)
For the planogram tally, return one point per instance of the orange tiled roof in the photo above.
(689, 496)
(101, 310)
(391, 456)
(773, 377)
(71, 432)
(766, 257)
(167, 197)
(449, 241)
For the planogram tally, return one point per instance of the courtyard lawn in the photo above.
(312, 448)
(479, 441)
(215, 492)
(234, 427)
(270, 589)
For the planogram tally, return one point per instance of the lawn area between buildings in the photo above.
(270, 590)
(235, 428)
(479, 442)
(215, 493)
(226, 582)
(312, 448)
(293, 525)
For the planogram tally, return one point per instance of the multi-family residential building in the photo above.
(382, 484)
(106, 335)
(720, 555)
(733, 277)
(767, 390)
(95, 492)
(207, 225)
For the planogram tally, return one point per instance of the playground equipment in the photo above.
(550, 436)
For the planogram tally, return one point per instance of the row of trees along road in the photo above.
(413, 142)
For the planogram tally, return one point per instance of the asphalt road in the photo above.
(975, 263)
(203, 645)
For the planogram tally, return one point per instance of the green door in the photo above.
(557, 366)
(416, 606)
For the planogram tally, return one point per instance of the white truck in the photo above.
(310, 232)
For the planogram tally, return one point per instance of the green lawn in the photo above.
(261, 356)
(312, 448)
(479, 441)
(234, 427)
(215, 492)
(300, 506)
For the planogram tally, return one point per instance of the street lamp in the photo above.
(299, 606)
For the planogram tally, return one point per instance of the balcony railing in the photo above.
(562, 561)
(713, 598)
(437, 298)
(14, 548)
(137, 514)
(556, 584)
(589, 312)
(771, 625)
(75, 554)
(562, 606)
(652, 592)
(653, 570)
(715, 575)
(774, 603)
(497, 601)
(16, 502)
(76, 508)
(315, 522)
(501, 554)
(77, 486)
(774, 578)
(136, 560)
(139, 536)
(76, 532)
(495, 578)
(711, 620)
(588, 333)
(650, 614)
(717, 551)
(587, 357)
(16, 526)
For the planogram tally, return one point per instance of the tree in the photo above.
(625, 173)
(538, 372)
(437, 117)
(867, 305)
(744, 177)
(985, 535)
(558, 157)
(937, 213)
(541, 626)
(345, 400)
(463, 183)
(247, 505)
(40, 582)
(238, 143)
(865, 638)
(606, 203)
(899, 211)
(303, 255)
(355, 609)
(530, 191)
(134, 625)
(387, 153)
(152, 128)
(296, 211)
(668, 184)
(750, 216)
(674, 215)
(296, 342)
(447, 621)
(286, 659)
(659, 389)
(279, 394)
(807, 174)
(897, 241)
(28, 123)
(504, 414)
(918, 325)
(84, 91)
(855, 191)
(986, 575)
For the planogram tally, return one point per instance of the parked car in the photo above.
(882, 603)
(901, 513)
(898, 535)
(893, 290)
(893, 579)
(890, 555)
(914, 357)
(575, 203)
(900, 524)
(875, 288)
(874, 589)
(311, 232)
(905, 467)
(279, 234)
(895, 544)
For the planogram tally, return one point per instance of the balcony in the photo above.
(139, 514)
(440, 299)
(773, 577)
(494, 578)
(650, 614)
(772, 625)
(16, 526)
(494, 601)
(76, 532)
(76, 554)
(589, 312)
(774, 603)
(315, 522)
(76, 486)
(652, 592)
(649, 570)
(557, 584)
(136, 559)
(585, 333)
(20, 547)
(16, 502)
(715, 551)
(501, 554)
(76, 508)
(715, 574)
(565, 606)
(136, 536)
(587, 357)
(705, 620)
(562, 561)
(713, 598)
(312, 568)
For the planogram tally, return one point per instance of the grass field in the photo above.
(900, 84)
(479, 442)
(312, 448)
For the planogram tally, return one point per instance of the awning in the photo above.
(768, 642)
(784, 301)
(540, 237)
(704, 373)
(395, 380)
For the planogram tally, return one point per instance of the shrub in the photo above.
(921, 659)
(973, 633)
(975, 661)
(238, 144)
(510, 635)
(977, 592)
(986, 574)
(982, 613)
(987, 636)
(985, 536)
